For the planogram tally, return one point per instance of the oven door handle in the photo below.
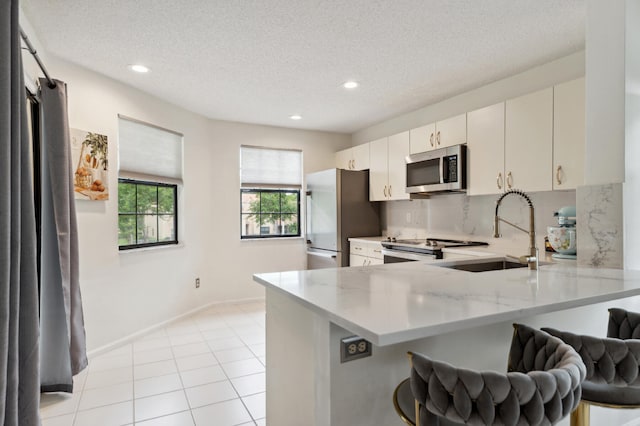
(407, 255)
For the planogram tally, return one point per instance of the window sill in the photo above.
(141, 249)
(272, 239)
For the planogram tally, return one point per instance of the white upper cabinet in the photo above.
(541, 147)
(528, 141)
(344, 159)
(452, 131)
(387, 172)
(355, 158)
(443, 133)
(422, 139)
(361, 157)
(378, 170)
(485, 150)
(398, 151)
(568, 134)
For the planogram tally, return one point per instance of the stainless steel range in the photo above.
(399, 250)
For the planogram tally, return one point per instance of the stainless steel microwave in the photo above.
(440, 170)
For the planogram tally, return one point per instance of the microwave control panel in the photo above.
(450, 164)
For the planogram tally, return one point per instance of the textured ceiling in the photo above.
(260, 61)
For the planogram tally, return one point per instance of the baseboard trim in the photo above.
(134, 336)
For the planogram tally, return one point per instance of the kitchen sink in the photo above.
(484, 265)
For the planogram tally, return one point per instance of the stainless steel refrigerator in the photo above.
(337, 209)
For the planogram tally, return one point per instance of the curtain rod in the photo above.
(51, 83)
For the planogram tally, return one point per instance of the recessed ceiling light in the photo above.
(295, 117)
(350, 85)
(139, 68)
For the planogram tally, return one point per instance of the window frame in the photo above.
(157, 185)
(280, 190)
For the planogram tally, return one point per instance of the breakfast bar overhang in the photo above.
(457, 316)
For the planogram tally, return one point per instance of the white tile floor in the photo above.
(208, 369)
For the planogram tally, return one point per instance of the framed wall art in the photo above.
(90, 161)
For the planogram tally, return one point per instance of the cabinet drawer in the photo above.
(356, 247)
(375, 251)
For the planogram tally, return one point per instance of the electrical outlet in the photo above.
(197, 282)
(354, 347)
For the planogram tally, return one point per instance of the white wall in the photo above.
(632, 135)
(605, 92)
(546, 75)
(127, 292)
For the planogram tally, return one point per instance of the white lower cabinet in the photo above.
(357, 260)
(365, 253)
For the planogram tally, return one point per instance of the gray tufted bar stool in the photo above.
(541, 388)
(612, 365)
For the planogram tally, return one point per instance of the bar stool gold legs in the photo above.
(580, 416)
(402, 399)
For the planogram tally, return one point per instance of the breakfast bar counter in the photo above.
(458, 316)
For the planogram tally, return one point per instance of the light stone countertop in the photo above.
(368, 240)
(388, 304)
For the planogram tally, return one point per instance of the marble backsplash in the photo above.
(600, 225)
(459, 215)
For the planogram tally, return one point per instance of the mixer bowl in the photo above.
(562, 239)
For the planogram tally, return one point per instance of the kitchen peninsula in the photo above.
(458, 316)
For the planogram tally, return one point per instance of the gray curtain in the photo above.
(19, 380)
(63, 343)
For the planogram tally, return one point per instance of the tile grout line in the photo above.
(237, 321)
(184, 389)
(230, 381)
(133, 386)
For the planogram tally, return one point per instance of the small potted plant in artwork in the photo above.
(93, 163)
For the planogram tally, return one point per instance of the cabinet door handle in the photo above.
(509, 180)
(353, 164)
(558, 175)
(499, 180)
(385, 191)
(389, 191)
(438, 137)
(431, 140)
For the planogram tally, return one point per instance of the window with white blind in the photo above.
(271, 180)
(149, 173)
